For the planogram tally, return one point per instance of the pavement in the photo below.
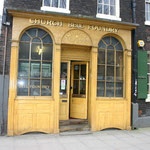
(111, 139)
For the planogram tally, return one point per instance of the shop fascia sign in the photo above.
(73, 25)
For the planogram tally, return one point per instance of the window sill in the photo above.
(147, 23)
(148, 98)
(108, 17)
(53, 9)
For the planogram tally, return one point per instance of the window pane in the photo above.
(76, 71)
(101, 44)
(101, 73)
(46, 70)
(47, 52)
(46, 2)
(36, 51)
(106, 1)
(34, 87)
(106, 9)
(25, 37)
(82, 86)
(76, 87)
(114, 41)
(110, 73)
(23, 69)
(101, 57)
(148, 58)
(100, 8)
(63, 87)
(41, 32)
(83, 72)
(63, 73)
(119, 89)
(110, 57)
(22, 87)
(119, 59)
(47, 39)
(112, 2)
(119, 74)
(62, 3)
(110, 47)
(112, 10)
(24, 50)
(35, 69)
(107, 40)
(119, 47)
(46, 88)
(110, 89)
(101, 89)
(32, 32)
(99, 1)
(54, 3)
(36, 40)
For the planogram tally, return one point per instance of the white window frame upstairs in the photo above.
(148, 76)
(111, 17)
(147, 22)
(56, 9)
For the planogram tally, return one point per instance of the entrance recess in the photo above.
(79, 90)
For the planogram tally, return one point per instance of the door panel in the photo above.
(79, 84)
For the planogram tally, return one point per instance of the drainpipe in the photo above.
(134, 54)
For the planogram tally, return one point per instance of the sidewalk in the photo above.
(103, 140)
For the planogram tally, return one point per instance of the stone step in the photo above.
(70, 133)
(73, 122)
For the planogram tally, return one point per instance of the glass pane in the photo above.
(76, 71)
(36, 40)
(148, 84)
(119, 74)
(46, 70)
(106, 1)
(35, 69)
(34, 87)
(114, 41)
(83, 72)
(63, 87)
(22, 87)
(110, 89)
(110, 57)
(32, 32)
(46, 88)
(46, 2)
(24, 50)
(112, 10)
(100, 8)
(47, 39)
(23, 69)
(63, 73)
(110, 73)
(41, 32)
(106, 9)
(119, 89)
(119, 59)
(54, 3)
(100, 89)
(47, 52)
(76, 87)
(62, 3)
(112, 2)
(36, 51)
(99, 1)
(119, 47)
(25, 37)
(110, 47)
(148, 58)
(82, 86)
(101, 57)
(107, 40)
(101, 44)
(101, 73)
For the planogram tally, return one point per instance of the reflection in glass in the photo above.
(110, 57)
(110, 73)
(24, 50)
(106, 1)
(100, 8)
(23, 69)
(34, 87)
(82, 86)
(101, 57)
(46, 88)
(35, 69)
(119, 59)
(109, 89)
(46, 2)
(76, 87)
(100, 89)
(112, 2)
(47, 52)
(63, 73)
(119, 74)
(46, 70)
(22, 87)
(62, 3)
(76, 71)
(112, 10)
(25, 38)
(101, 73)
(36, 51)
(83, 72)
(54, 3)
(119, 89)
(106, 9)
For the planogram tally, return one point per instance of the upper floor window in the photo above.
(147, 12)
(108, 9)
(56, 5)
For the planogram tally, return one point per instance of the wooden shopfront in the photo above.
(66, 67)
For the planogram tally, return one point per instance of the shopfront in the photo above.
(68, 67)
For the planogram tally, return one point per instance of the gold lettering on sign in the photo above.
(76, 25)
(46, 22)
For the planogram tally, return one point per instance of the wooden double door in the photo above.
(73, 90)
